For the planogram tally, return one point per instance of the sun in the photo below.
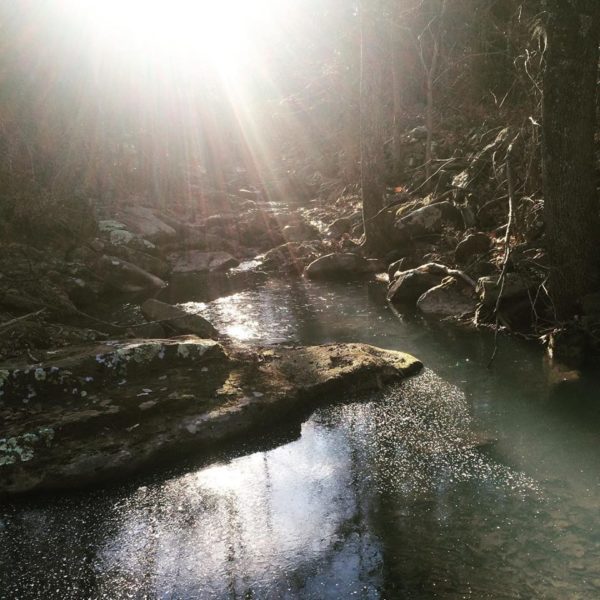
(222, 33)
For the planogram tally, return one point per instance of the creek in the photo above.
(370, 498)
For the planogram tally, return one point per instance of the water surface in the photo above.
(372, 499)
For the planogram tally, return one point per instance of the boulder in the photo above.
(99, 412)
(402, 264)
(196, 261)
(449, 299)
(260, 230)
(411, 284)
(429, 219)
(117, 235)
(345, 224)
(148, 262)
(289, 259)
(300, 232)
(178, 319)
(124, 276)
(472, 246)
(338, 266)
(115, 231)
(482, 268)
(147, 223)
(515, 285)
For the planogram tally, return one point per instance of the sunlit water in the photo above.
(374, 499)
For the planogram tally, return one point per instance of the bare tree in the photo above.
(434, 32)
(569, 117)
(372, 125)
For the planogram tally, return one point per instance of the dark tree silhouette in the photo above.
(569, 117)
(372, 123)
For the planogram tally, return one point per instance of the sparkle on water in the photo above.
(377, 498)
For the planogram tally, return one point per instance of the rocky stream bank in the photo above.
(97, 380)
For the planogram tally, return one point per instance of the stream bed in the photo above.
(370, 498)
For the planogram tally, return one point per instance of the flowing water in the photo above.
(372, 498)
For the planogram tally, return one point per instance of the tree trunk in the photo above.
(569, 116)
(398, 68)
(372, 159)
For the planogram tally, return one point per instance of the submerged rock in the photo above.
(178, 319)
(95, 413)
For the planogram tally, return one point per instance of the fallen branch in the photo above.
(8, 324)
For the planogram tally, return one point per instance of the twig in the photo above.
(9, 324)
(502, 278)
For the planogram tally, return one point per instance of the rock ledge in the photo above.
(96, 413)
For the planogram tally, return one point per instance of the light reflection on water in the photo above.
(375, 499)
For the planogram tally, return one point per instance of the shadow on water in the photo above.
(371, 499)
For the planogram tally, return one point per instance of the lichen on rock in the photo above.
(197, 395)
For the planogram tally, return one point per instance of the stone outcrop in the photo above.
(99, 412)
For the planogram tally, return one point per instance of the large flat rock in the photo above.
(96, 413)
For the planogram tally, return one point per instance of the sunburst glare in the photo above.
(179, 32)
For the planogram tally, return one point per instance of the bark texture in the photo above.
(372, 159)
(569, 118)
